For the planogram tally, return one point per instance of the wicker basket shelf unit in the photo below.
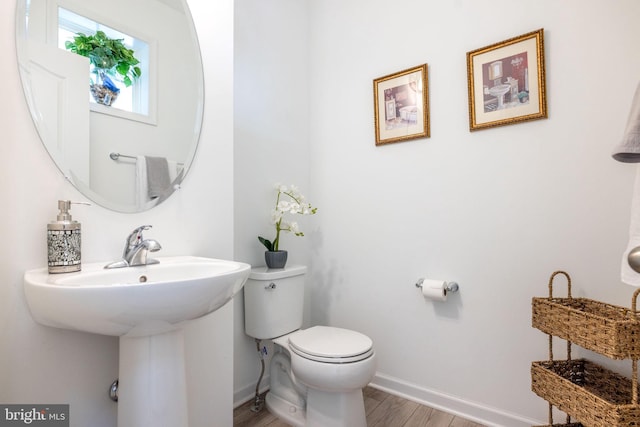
(606, 329)
(584, 390)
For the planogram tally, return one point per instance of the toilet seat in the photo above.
(331, 345)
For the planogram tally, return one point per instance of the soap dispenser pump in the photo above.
(63, 241)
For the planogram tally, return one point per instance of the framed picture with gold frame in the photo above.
(507, 82)
(401, 105)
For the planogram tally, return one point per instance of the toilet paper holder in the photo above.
(451, 286)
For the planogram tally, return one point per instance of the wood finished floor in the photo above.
(383, 410)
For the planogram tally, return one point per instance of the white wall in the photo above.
(271, 123)
(46, 365)
(496, 210)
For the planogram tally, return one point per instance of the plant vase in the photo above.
(104, 91)
(275, 259)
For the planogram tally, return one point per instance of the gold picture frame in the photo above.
(401, 105)
(507, 82)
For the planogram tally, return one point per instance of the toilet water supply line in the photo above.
(258, 403)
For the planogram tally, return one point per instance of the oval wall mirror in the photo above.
(115, 89)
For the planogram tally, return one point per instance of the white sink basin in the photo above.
(146, 307)
(133, 301)
(499, 90)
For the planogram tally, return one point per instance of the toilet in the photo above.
(316, 374)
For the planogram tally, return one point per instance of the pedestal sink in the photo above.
(146, 307)
(499, 91)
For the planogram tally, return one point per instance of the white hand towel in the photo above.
(629, 276)
(142, 185)
(628, 150)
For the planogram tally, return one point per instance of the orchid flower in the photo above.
(289, 200)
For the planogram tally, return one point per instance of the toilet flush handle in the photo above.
(270, 286)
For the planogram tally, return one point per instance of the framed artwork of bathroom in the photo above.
(401, 105)
(507, 82)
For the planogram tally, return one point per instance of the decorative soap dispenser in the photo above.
(63, 241)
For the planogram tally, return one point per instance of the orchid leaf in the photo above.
(267, 244)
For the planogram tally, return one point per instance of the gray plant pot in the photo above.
(275, 259)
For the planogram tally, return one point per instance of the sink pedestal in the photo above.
(152, 390)
(499, 92)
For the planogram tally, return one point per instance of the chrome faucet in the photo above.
(136, 250)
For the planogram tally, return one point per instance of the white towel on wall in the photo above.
(628, 275)
(628, 150)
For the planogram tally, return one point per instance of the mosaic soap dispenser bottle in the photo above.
(63, 241)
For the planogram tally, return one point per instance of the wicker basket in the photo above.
(606, 329)
(588, 392)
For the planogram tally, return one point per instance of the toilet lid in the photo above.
(331, 345)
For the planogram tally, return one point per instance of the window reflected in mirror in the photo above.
(123, 85)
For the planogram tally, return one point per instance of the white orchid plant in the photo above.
(289, 200)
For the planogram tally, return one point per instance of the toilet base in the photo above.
(323, 409)
(330, 409)
(286, 411)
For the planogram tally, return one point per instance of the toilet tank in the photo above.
(274, 301)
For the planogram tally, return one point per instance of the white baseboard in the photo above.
(472, 411)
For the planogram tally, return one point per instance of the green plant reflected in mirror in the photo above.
(104, 53)
(108, 57)
(116, 99)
